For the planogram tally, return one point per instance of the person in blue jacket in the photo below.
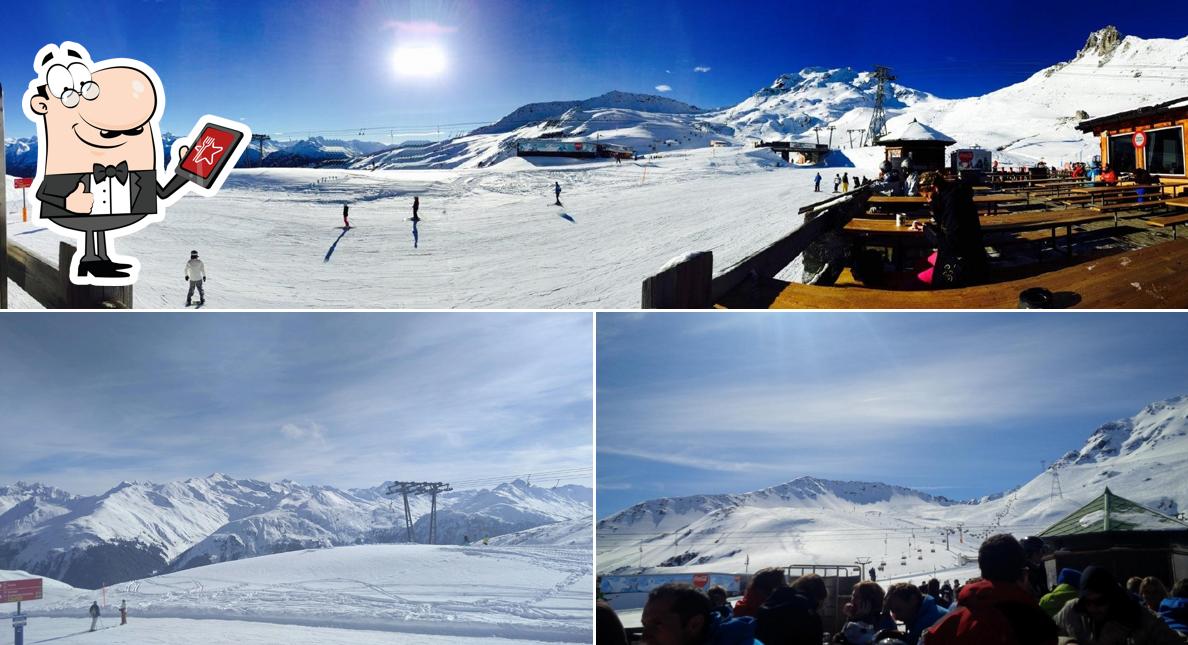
(817, 183)
(680, 614)
(1174, 609)
(917, 611)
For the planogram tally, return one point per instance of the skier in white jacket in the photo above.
(195, 275)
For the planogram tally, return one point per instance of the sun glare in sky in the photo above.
(422, 60)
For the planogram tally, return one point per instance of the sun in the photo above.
(423, 60)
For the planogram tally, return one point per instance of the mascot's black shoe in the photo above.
(102, 269)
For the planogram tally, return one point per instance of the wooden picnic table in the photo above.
(1154, 277)
(1011, 223)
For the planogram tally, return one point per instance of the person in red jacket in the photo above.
(998, 609)
(763, 583)
(1108, 176)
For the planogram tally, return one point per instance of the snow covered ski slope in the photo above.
(371, 593)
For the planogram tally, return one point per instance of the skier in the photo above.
(836, 182)
(557, 193)
(346, 223)
(466, 540)
(94, 614)
(845, 182)
(123, 612)
(817, 183)
(485, 538)
(416, 207)
(195, 275)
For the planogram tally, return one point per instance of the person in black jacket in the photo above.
(1037, 578)
(960, 257)
(790, 615)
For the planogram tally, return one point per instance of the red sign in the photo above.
(1140, 139)
(14, 590)
(212, 145)
(22, 182)
(700, 580)
(577, 146)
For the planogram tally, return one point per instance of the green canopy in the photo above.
(1110, 512)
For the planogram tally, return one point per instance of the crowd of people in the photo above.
(1010, 603)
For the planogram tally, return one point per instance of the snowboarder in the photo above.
(817, 183)
(557, 193)
(195, 275)
(94, 614)
(123, 612)
(346, 223)
(845, 182)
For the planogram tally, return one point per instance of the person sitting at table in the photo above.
(960, 256)
(1108, 176)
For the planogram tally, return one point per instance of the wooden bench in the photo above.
(1154, 277)
(1131, 203)
(1171, 220)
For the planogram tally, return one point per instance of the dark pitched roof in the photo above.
(1098, 124)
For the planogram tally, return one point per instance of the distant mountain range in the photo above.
(1023, 123)
(811, 520)
(137, 529)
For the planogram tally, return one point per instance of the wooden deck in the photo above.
(1155, 277)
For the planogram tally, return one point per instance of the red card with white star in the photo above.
(209, 153)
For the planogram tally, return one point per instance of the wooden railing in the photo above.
(688, 282)
(51, 287)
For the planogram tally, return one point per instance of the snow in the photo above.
(405, 593)
(576, 532)
(916, 131)
(810, 520)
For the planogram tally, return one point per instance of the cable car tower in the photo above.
(420, 488)
(878, 119)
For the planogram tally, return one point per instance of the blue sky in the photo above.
(954, 404)
(309, 66)
(349, 400)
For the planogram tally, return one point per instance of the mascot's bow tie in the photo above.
(120, 172)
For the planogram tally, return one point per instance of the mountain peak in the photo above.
(1101, 43)
(1152, 425)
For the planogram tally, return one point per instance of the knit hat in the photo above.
(1070, 577)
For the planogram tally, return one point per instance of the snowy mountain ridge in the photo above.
(136, 528)
(814, 520)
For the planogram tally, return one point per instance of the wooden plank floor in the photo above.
(1155, 277)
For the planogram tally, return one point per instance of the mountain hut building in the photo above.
(925, 146)
(1114, 532)
(1159, 149)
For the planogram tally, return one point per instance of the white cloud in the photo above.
(663, 88)
(310, 431)
(701, 68)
